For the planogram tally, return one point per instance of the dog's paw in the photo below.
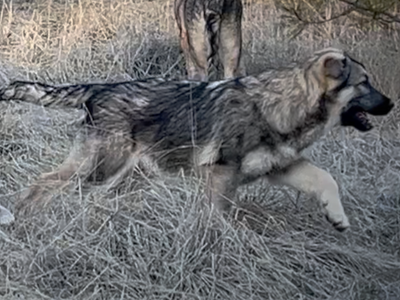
(29, 201)
(338, 220)
(6, 217)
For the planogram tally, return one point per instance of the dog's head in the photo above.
(346, 82)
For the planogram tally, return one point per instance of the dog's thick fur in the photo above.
(209, 29)
(231, 131)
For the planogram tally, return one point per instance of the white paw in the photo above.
(338, 219)
(6, 217)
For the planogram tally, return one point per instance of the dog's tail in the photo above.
(47, 95)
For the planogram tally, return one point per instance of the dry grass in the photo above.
(151, 238)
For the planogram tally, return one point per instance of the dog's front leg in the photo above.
(221, 184)
(314, 181)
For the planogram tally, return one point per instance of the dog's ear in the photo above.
(335, 66)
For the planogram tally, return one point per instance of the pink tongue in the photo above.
(361, 115)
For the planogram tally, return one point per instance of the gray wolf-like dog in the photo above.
(232, 131)
(210, 29)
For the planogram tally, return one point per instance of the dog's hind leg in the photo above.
(81, 161)
(129, 165)
(135, 158)
(314, 181)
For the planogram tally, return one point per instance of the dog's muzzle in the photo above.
(374, 103)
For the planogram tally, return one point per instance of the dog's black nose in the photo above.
(383, 109)
(390, 106)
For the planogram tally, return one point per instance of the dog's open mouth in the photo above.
(356, 112)
(357, 118)
(363, 121)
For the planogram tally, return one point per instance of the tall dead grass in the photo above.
(151, 238)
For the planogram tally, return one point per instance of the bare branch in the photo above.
(375, 14)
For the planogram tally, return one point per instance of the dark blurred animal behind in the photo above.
(210, 35)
